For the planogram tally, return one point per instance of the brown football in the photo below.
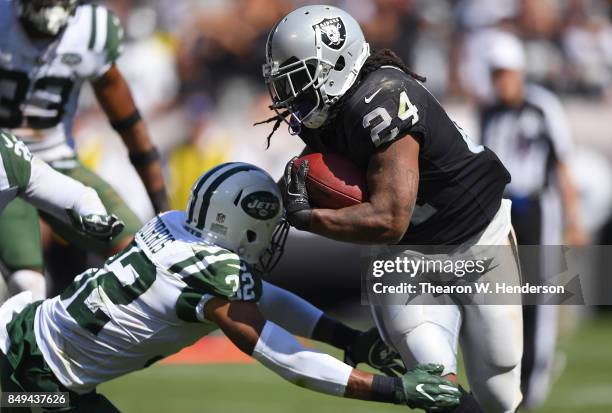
(333, 181)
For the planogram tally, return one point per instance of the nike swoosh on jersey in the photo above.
(419, 388)
(369, 99)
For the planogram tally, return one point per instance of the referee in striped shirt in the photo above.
(528, 130)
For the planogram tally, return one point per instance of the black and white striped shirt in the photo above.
(529, 139)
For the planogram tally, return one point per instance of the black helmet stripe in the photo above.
(196, 190)
(240, 167)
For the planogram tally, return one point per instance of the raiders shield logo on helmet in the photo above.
(333, 32)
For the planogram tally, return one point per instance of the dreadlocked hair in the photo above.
(278, 119)
(378, 58)
(386, 57)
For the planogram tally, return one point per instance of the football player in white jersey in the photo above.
(48, 49)
(22, 175)
(184, 275)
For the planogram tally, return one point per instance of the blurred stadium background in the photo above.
(195, 69)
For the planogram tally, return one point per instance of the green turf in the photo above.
(585, 386)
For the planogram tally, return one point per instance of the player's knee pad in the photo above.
(422, 334)
(500, 392)
(428, 343)
(27, 280)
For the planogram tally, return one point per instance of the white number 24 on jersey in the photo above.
(406, 111)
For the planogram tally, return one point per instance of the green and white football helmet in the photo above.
(238, 206)
(313, 56)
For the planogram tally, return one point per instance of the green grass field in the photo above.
(585, 386)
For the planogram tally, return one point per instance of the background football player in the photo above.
(68, 200)
(428, 185)
(185, 274)
(50, 48)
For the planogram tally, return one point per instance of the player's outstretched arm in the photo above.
(21, 174)
(303, 319)
(70, 201)
(115, 97)
(279, 351)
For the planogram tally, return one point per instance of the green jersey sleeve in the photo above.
(114, 38)
(105, 42)
(16, 162)
(214, 273)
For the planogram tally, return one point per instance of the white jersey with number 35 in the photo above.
(40, 80)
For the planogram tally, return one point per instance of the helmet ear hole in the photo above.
(340, 63)
(251, 235)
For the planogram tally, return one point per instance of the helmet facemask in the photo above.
(272, 255)
(313, 56)
(48, 17)
(298, 85)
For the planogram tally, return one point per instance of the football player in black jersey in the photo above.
(428, 184)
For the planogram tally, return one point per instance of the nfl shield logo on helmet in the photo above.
(333, 32)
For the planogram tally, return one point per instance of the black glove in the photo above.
(369, 348)
(101, 227)
(297, 205)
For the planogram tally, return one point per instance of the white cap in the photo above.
(506, 52)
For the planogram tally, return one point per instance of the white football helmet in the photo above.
(47, 16)
(238, 206)
(313, 56)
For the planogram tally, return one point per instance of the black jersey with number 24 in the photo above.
(460, 183)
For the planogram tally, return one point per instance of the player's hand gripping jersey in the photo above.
(460, 183)
(40, 82)
(145, 303)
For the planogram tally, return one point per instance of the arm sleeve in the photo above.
(288, 310)
(43, 192)
(282, 353)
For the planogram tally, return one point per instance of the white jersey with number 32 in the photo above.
(144, 304)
